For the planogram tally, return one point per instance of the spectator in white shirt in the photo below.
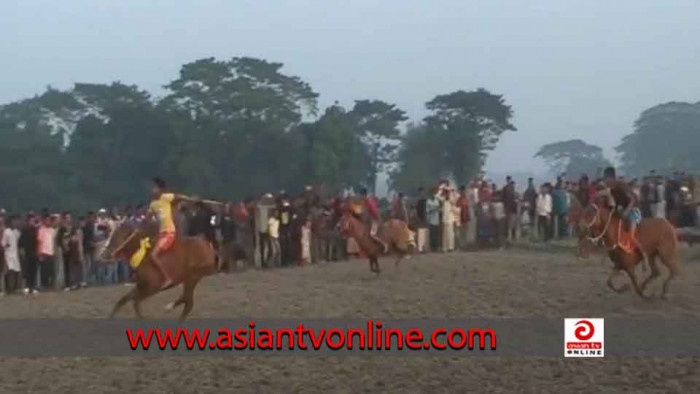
(544, 212)
(10, 273)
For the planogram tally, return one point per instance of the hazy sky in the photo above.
(570, 69)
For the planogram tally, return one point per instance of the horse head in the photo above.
(125, 239)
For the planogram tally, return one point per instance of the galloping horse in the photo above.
(656, 236)
(188, 261)
(394, 233)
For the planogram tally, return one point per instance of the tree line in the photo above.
(228, 129)
(665, 139)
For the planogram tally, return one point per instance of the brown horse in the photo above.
(656, 236)
(187, 262)
(394, 233)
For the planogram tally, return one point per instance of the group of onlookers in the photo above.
(49, 251)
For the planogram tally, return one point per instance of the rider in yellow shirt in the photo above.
(161, 208)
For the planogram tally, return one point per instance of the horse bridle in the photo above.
(595, 219)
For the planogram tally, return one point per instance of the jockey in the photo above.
(373, 212)
(161, 209)
(622, 198)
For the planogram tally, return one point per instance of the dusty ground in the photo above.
(508, 283)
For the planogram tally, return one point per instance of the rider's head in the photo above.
(609, 173)
(158, 187)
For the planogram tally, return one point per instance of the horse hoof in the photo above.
(170, 306)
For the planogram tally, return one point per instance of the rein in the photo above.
(593, 222)
(126, 241)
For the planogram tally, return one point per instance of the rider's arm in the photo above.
(632, 201)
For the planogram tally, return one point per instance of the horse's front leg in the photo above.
(637, 289)
(613, 273)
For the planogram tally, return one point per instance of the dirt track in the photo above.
(510, 283)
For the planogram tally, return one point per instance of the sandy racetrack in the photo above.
(509, 283)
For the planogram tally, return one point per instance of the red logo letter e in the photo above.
(584, 332)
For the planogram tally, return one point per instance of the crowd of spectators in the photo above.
(48, 251)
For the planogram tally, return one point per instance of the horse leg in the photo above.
(654, 273)
(188, 297)
(613, 273)
(633, 278)
(141, 293)
(398, 259)
(126, 298)
(374, 264)
(669, 256)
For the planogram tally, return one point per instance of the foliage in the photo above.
(458, 134)
(226, 129)
(665, 139)
(573, 157)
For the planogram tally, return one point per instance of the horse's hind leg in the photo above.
(126, 298)
(374, 264)
(670, 259)
(188, 297)
(654, 273)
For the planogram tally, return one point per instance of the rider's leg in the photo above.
(645, 257)
(373, 233)
(157, 259)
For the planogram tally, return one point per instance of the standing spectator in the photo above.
(306, 242)
(47, 251)
(421, 211)
(432, 208)
(448, 219)
(544, 212)
(464, 217)
(560, 209)
(104, 272)
(499, 217)
(262, 211)
(400, 208)
(273, 224)
(510, 204)
(65, 234)
(660, 211)
(89, 268)
(284, 207)
(10, 273)
(530, 202)
(484, 192)
(421, 225)
(29, 247)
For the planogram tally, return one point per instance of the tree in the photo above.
(469, 124)
(665, 139)
(377, 123)
(420, 159)
(241, 111)
(574, 157)
(332, 151)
